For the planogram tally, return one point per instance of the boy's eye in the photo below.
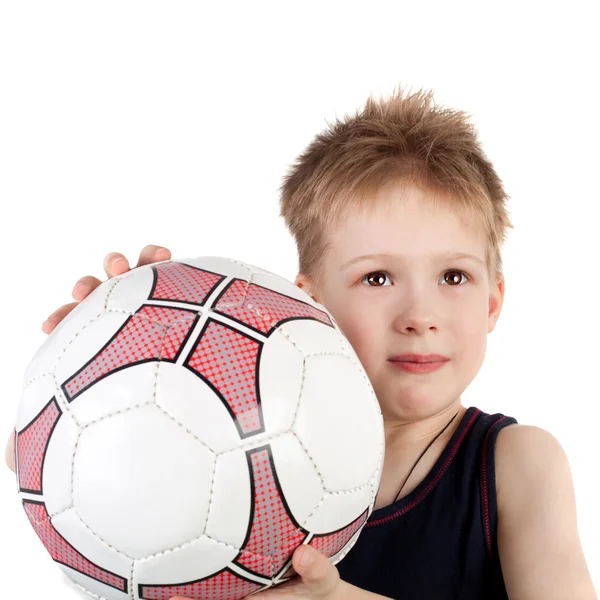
(378, 278)
(457, 280)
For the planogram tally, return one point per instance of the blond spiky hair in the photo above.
(406, 138)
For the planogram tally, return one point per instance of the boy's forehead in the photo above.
(405, 227)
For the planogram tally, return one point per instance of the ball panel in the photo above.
(284, 286)
(230, 507)
(124, 389)
(131, 290)
(341, 512)
(32, 445)
(176, 282)
(153, 333)
(336, 412)
(58, 465)
(336, 558)
(65, 552)
(227, 360)
(300, 483)
(195, 570)
(256, 269)
(169, 281)
(334, 544)
(153, 479)
(279, 284)
(93, 589)
(262, 308)
(281, 368)
(191, 560)
(184, 396)
(313, 337)
(227, 267)
(54, 345)
(273, 533)
(77, 366)
(34, 397)
(90, 546)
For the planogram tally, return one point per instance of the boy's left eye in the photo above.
(461, 273)
(379, 275)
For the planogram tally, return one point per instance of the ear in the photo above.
(496, 300)
(306, 284)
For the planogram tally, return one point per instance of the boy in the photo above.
(384, 207)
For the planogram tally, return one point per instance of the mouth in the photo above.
(418, 367)
(419, 358)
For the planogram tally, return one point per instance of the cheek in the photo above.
(470, 337)
(359, 328)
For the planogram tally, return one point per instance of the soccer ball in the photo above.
(187, 426)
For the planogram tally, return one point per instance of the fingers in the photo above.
(57, 316)
(115, 264)
(153, 253)
(84, 287)
(10, 452)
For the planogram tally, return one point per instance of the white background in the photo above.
(124, 124)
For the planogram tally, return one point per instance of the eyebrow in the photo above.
(449, 255)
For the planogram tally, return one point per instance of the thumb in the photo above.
(317, 573)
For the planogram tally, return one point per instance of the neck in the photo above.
(410, 433)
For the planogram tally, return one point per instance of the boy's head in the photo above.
(408, 182)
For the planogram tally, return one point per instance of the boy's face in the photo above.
(410, 301)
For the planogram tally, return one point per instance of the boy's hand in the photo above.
(317, 580)
(114, 264)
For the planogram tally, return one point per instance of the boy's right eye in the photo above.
(376, 276)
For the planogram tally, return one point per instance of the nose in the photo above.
(416, 326)
(415, 317)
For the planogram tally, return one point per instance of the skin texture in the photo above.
(418, 303)
(416, 309)
(415, 300)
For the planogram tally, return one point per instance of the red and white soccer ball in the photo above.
(187, 426)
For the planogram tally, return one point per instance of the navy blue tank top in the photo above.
(439, 541)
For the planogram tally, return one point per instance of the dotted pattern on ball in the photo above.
(273, 534)
(140, 339)
(332, 543)
(184, 283)
(31, 447)
(224, 586)
(263, 309)
(61, 551)
(228, 359)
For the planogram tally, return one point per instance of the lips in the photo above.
(419, 358)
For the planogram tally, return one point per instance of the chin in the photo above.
(410, 406)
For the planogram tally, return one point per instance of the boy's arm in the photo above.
(538, 541)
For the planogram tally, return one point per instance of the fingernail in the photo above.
(80, 286)
(306, 558)
(115, 261)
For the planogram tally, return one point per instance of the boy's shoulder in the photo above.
(527, 456)
(538, 539)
